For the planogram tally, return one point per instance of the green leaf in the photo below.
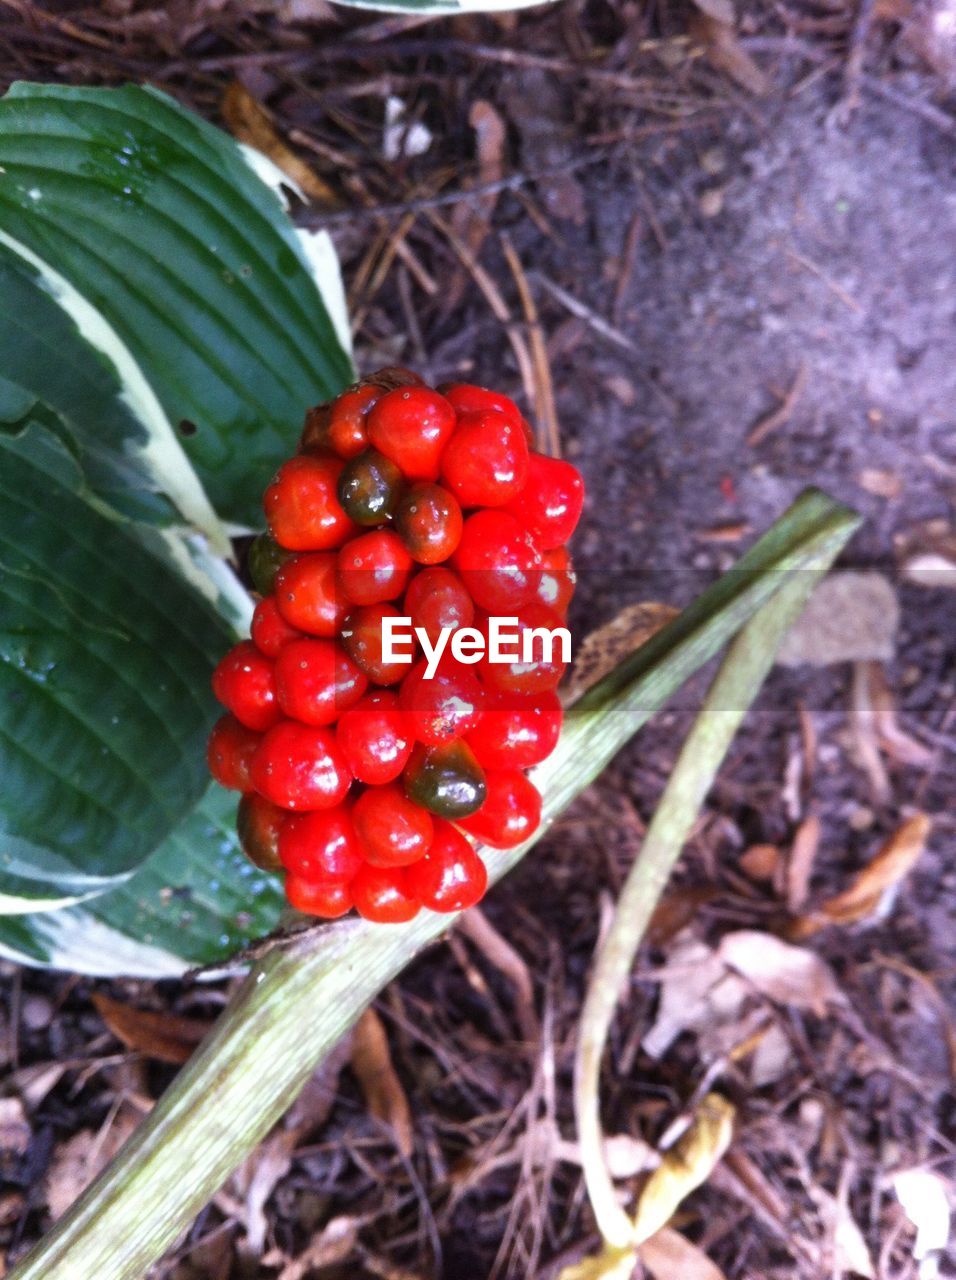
(196, 901)
(154, 295)
(105, 659)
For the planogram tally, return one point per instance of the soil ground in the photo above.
(719, 244)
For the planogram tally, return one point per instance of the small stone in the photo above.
(36, 1012)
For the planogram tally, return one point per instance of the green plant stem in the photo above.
(743, 671)
(297, 1002)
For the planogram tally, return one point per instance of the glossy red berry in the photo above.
(321, 846)
(369, 488)
(316, 681)
(549, 505)
(535, 627)
(437, 599)
(411, 425)
(429, 521)
(465, 397)
(447, 780)
(259, 823)
(444, 706)
(516, 732)
(270, 631)
(392, 830)
(229, 753)
(497, 561)
(373, 568)
(300, 767)
(485, 463)
(244, 682)
(556, 585)
(451, 876)
(383, 895)
(347, 433)
(307, 595)
(375, 738)
(327, 899)
(362, 640)
(511, 812)
(302, 504)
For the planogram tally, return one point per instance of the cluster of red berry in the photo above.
(359, 774)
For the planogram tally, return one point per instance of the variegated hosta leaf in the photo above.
(105, 658)
(156, 298)
(195, 901)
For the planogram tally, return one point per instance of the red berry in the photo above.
(300, 767)
(429, 522)
(328, 899)
(317, 680)
(392, 830)
(516, 732)
(436, 598)
(375, 738)
(511, 812)
(258, 823)
(382, 894)
(347, 421)
(362, 639)
(302, 504)
(321, 846)
(444, 707)
(547, 665)
(557, 582)
(467, 398)
(373, 568)
(411, 425)
(485, 463)
(498, 561)
(244, 682)
(229, 753)
(451, 876)
(550, 503)
(270, 631)
(307, 595)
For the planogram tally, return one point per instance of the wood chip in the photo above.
(250, 122)
(787, 974)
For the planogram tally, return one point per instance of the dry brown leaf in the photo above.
(891, 865)
(724, 51)
(850, 617)
(77, 1161)
(250, 122)
(668, 1255)
(372, 1063)
(760, 861)
(675, 911)
(844, 1249)
(686, 1166)
(335, 1243)
(882, 484)
(790, 975)
(803, 853)
(602, 650)
(164, 1036)
(697, 994)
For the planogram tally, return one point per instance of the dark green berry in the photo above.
(445, 780)
(265, 559)
(258, 823)
(369, 488)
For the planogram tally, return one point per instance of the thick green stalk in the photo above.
(298, 1001)
(737, 683)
